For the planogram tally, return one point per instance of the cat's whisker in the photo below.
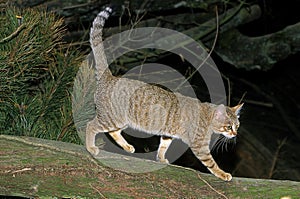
(155, 110)
(216, 145)
(234, 141)
(224, 148)
(223, 143)
(231, 142)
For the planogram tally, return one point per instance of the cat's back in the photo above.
(137, 104)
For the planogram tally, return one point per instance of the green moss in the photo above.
(53, 173)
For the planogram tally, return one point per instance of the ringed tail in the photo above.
(101, 65)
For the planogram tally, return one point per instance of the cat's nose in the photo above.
(233, 133)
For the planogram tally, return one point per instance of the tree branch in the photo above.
(32, 167)
(258, 52)
(13, 35)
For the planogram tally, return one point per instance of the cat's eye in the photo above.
(228, 128)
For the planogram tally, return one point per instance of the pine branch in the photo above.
(36, 74)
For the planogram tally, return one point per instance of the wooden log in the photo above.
(39, 168)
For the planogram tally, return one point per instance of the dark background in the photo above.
(267, 146)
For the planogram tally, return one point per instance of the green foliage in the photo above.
(36, 76)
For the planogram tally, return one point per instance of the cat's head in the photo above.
(226, 120)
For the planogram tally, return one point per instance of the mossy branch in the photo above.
(44, 168)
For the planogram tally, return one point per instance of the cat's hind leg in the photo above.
(92, 129)
(162, 149)
(116, 135)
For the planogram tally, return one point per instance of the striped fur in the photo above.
(122, 103)
(97, 45)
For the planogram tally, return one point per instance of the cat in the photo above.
(122, 103)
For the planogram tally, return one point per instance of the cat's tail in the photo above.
(101, 64)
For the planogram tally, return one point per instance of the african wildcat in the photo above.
(122, 103)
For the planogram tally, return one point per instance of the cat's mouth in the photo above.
(230, 134)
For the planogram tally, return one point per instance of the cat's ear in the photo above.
(236, 109)
(220, 113)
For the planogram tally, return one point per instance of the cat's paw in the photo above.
(129, 148)
(162, 160)
(226, 176)
(93, 150)
(165, 161)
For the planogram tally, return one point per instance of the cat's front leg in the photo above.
(162, 149)
(212, 166)
(206, 158)
(221, 174)
(92, 130)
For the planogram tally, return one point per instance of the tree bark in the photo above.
(258, 52)
(233, 47)
(32, 167)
